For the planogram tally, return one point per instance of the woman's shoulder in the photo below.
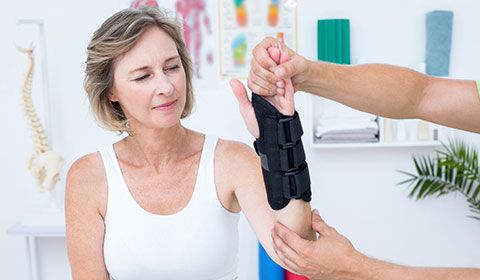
(86, 188)
(87, 166)
(86, 174)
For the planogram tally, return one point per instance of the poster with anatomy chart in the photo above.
(244, 23)
(198, 32)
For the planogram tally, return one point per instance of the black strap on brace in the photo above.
(280, 148)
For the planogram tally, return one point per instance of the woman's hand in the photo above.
(283, 102)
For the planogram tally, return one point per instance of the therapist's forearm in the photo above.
(396, 92)
(372, 269)
(385, 90)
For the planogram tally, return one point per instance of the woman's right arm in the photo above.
(85, 228)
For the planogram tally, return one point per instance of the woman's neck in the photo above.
(159, 147)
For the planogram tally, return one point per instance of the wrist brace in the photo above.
(280, 148)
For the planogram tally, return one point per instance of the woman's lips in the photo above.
(165, 107)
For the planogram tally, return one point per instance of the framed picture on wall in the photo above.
(242, 24)
(198, 21)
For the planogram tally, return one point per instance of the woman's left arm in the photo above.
(244, 175)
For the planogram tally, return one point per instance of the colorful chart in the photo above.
(250, 21)
(239, 50)
(241, 12)
(273, 11)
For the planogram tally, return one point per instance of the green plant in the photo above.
(454, 169)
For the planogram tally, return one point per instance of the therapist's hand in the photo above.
(267, 78)
(331, 256)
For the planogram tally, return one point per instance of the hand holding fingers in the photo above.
(265, 74)
(254, 87)
(260, 80)
(274, 54)
(289, 90)
(265, 58)
(256, 78)
(284, 101)
(261, 54)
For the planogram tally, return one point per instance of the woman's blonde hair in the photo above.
(117, 35)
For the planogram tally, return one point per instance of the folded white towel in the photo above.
(346, 141)
(348, 136)
(345, 127)
(367, 132)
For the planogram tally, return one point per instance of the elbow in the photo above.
(297, 217)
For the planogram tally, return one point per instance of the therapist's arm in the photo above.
(375, 269)
(385, 90)
(397, 92)
(332, 256)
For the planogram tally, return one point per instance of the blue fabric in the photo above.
(439, 42)
(267, 268)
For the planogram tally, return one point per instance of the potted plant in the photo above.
(453, 169)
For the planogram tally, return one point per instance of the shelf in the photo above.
(319, 105)
(378, 145)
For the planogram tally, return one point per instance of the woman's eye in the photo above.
(141, 78)
(172, 68)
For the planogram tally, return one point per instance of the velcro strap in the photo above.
(296, 183)
(291, 158)
(263, 157)
(289, 131)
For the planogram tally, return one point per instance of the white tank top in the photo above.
(198, 242)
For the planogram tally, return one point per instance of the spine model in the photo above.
(45, 165)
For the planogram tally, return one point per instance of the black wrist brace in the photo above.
(280, 148)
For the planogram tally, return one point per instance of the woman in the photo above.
(163, 202)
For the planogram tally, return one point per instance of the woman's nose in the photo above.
(163, 86)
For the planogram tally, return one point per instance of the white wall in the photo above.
(354, 189)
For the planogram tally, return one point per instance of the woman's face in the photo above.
(149, 81)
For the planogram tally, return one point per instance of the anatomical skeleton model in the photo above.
(45, 165)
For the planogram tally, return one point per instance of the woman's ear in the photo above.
(112, 96)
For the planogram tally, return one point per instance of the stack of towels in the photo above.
(341, 124)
